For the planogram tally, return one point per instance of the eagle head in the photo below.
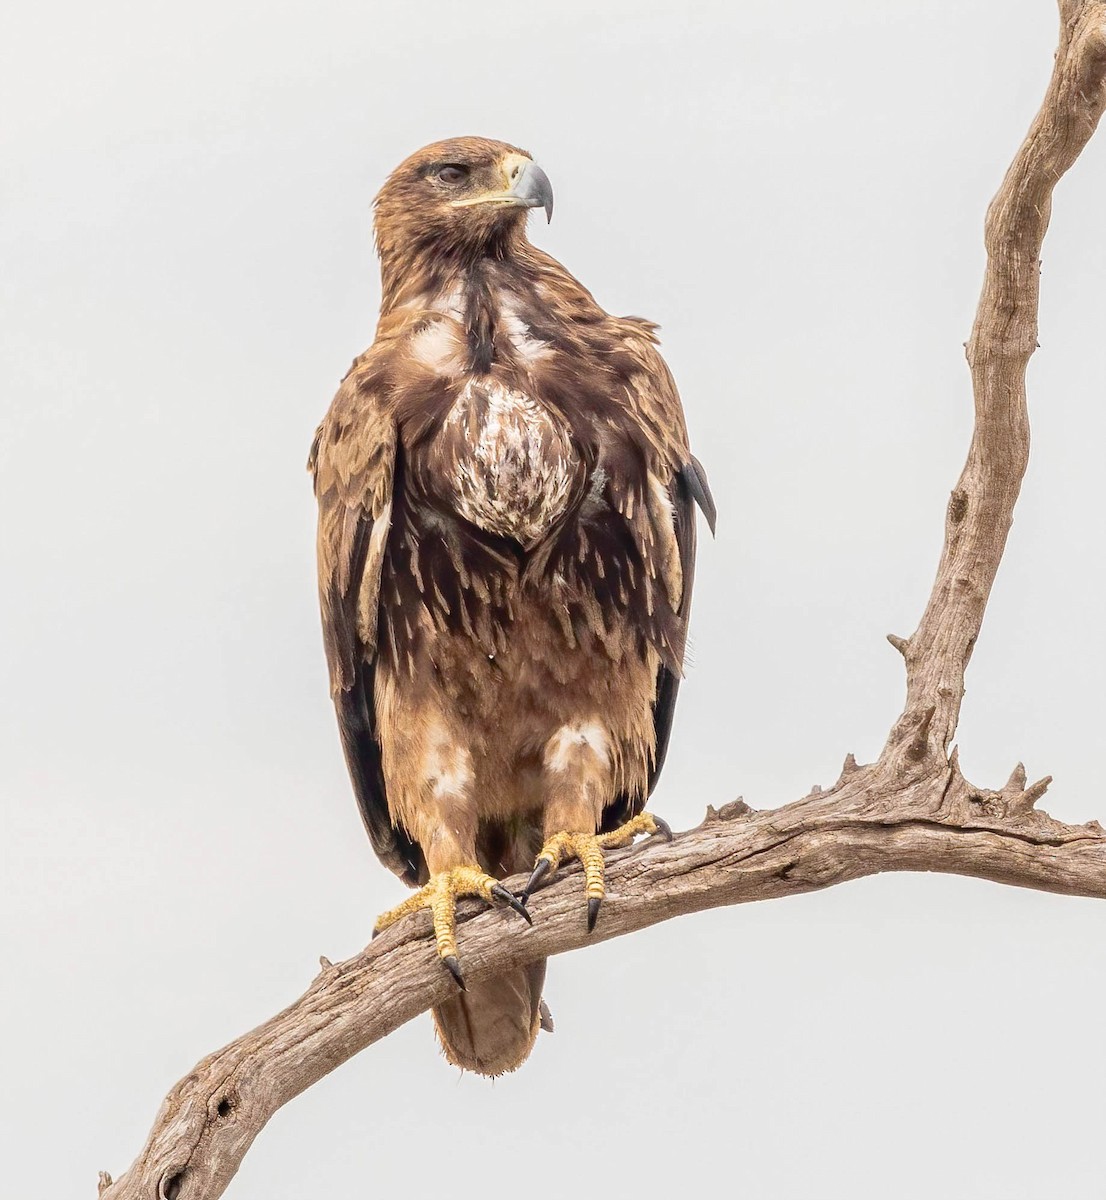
(464, 194)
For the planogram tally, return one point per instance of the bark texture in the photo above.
(912, 810)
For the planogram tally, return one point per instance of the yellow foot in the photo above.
(440, 895)
(588, 848)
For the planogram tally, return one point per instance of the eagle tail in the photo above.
(491, 1027)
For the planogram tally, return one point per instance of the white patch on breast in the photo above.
(528, 348)
(514, 463)
(449, 304)
(438, 347)
(564, 748)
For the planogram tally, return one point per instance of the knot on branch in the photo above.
(1089, 51)
(917, 749)
(170, 1185)
(901, 644)
(1017, 800)
(327, 970)
(1014, 804)
(852, 774)
(913, 749)
(734, 811)
(225, 1106)
(1025, 801)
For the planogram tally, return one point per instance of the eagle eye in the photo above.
(453, 173)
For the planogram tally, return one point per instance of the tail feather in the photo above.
(491, 1027)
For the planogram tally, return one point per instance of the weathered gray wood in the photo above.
(910, 811)
(1004, 336)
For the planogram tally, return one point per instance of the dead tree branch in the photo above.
(912, 810)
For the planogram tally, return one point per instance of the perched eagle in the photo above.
(506, 542)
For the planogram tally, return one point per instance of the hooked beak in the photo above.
(529, 188)
(532, 189)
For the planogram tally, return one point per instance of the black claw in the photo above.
(512, 902)
(376, 934)
(664, 830)
(541, 869)
(593, 911)
(454, 966)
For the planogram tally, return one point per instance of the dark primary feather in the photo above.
(625, 805)
(695, 479)
(361, 746)
(353, 464)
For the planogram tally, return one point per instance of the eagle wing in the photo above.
(688, 488)
(353, 460)
(664, 531)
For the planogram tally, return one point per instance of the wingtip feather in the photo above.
(696, 479)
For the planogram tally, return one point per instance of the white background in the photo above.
(796, 193)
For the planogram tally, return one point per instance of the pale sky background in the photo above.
(796, 193)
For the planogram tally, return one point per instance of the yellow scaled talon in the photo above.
(440, 895)
(588, 848)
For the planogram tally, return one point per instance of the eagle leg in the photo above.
(588, 848)
(440, 896)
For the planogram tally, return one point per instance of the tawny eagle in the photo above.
(506, 542)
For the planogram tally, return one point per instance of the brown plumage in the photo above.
(506, 544)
